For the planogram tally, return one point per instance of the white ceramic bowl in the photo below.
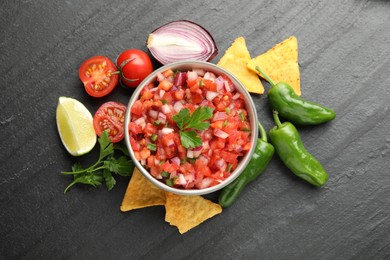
(252, 115)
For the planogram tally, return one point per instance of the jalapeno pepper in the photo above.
(260, 159)
(293, 108)
(288, 145)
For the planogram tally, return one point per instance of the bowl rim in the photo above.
(253, 120)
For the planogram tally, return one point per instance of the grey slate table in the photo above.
(344, 50)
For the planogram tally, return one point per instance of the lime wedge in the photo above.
(75, 126)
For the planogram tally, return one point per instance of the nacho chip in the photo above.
(141, 193)
(187, 212)
(235, 61)
(280, 63)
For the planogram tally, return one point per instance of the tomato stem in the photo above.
(125, 62)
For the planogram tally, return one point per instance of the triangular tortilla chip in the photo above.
(280, 63)
(235, 61)
(187, 212)
(141, 193)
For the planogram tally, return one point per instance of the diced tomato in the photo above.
(137, 108)
(134, 128)
(144, 153)
(169, 167)
(217, 125)
(168, 73)
(150, 161)
(201, 167)
(134, 144)
(150, 129)
(168, 98)
(147, 104)
(192, 83)
(210, 85)
(229, 157)
(197, 98)
(187, 168)
(179, 95)
(165, 85)
(147, 95)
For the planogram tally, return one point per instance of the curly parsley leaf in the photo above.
(121, 166)
(106, 147)
(190, 139)
(88, 178)
(182, 118)
(198, 116)
(103, 169)
(110, 181)
(195, 121)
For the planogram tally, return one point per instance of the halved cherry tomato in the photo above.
(96, 73)
(135, 66)
(110, 117)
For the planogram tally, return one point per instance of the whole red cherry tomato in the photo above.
(97, 75)
(110, 117)
(135, 66)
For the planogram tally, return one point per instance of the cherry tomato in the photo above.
(135, 66)
(110, 117)
(96, 73)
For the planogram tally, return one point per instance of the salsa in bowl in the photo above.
(192, 127)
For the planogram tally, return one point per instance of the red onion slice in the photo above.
(181, 40)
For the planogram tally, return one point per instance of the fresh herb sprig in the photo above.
(106, 165)
(188, 123)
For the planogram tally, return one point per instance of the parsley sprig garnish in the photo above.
(106, 165)
(188, 123)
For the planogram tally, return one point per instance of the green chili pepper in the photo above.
(260, 159)
(288, 145)
(293, 108)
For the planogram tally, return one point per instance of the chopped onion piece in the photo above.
(141, 122)
(180, 79)
(192, 75)
(167, 130)
(200, 72)
(206, 182)
(220, 82)
(181, 40)
(190, 154)
(219, 116)
(153, 114)
(176, 160)
(221, 134)
(210, 95)
(166, 109)
(162, 118)
(209, 75)
(236, 96)
(181, 180)
(160, 77)
(178, 106)
(221, 164)
(161, 93)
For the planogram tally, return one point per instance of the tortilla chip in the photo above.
(141, 193)
(235, 61)
(280, 63)
(187, 212)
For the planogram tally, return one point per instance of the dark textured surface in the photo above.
(344, 50)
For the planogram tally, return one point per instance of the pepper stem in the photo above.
(263, 133)
(267, 78)
(276, 118)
